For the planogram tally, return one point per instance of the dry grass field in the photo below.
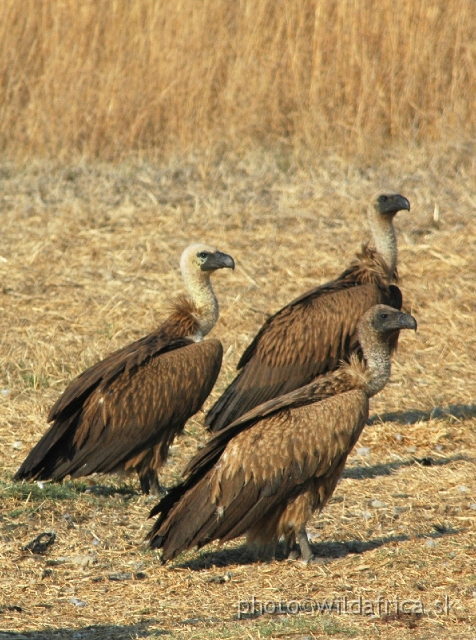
(128, 130)
(89, 260)
(107, 77)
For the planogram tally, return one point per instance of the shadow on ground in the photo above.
(69, 490)
(412, 416)
(99, 632)
(328, 551)
(358, 472)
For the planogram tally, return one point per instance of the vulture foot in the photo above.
(149, 483)
(306, 555)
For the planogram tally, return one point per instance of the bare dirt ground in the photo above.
(89, 259)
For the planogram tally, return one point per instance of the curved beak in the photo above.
(393, 203)
(401, 202)
(218, 260)
(407, 321)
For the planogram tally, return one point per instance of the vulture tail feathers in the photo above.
(43, 459)
(254, 504)
(191, 517)
(187, 518)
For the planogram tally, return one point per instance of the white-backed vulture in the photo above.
(123, 413)
(267, 472)
(316, 331)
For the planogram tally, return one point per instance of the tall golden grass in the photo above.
(105, 78)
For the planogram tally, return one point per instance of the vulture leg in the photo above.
(306, 552)
(149, 481)
(156, 489)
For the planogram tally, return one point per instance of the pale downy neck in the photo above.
(376, 352)
(203, 297)
(385, 238)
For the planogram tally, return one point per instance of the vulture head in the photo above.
(384, 320)
(388, 204)
(197, 264)
(376, 329)
(200, 257)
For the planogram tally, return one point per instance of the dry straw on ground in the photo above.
(88, 260)
(102, 78)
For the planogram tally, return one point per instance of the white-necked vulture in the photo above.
(123, 413)
(315, 332)
(267, 472)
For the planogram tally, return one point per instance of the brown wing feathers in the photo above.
(317, 330)
(53, 450)
(258, 476)
(270, 467)
(269, 470)
(123, 412)
(133, 411)
(126, 412)
(302, 341)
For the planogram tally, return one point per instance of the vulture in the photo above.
(123, 413)
(313, 333)
(267, 472)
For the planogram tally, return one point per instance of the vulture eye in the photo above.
(202, 254)
(384, 315)
(383, 198)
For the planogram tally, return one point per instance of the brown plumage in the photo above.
(267, 472)
(123, 413)
(316, 331)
